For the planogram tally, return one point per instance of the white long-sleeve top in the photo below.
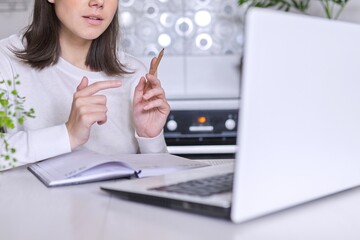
(50, 92)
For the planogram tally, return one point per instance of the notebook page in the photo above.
(157, 164)
(80, 164)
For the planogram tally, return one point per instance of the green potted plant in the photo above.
(12, 111)
(332, 8)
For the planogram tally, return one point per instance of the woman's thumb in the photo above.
(83, 84)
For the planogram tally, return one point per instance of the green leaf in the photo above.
(14, 92)
(242, 1)
(4, 103)
(21, 120)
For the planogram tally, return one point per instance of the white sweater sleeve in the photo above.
(152, 145)
(30, 145)
(36, 145)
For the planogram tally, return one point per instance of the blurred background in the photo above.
(200, 71)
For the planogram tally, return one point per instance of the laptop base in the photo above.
(180, 205)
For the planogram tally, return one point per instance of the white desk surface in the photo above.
(29, 210)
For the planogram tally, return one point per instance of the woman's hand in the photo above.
(87, 109)
(150, 109)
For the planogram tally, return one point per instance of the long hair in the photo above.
(42, 47)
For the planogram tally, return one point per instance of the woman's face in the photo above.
(84, 19)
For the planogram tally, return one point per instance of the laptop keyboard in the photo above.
(204, 187)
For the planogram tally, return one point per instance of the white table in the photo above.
(29, 210)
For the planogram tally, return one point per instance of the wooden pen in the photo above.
(153, 68)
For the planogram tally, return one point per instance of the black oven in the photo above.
(199, 133)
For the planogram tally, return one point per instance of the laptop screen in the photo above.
(299, 131)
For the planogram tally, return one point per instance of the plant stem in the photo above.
(326, 6)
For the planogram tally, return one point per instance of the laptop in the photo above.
(299, 125)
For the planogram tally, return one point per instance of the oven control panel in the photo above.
(203, 127)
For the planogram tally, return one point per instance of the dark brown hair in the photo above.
(43, 46)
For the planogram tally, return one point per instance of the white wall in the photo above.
(13, 22)
(352, 12)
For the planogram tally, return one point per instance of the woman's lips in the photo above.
(93, 20)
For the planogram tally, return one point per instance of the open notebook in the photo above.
(85, 166)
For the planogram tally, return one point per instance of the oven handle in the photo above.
(208, 149)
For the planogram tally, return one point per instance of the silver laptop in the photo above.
(299, 126)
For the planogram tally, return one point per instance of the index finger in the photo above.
(98, 86)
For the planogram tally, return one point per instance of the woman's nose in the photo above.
(96, 3)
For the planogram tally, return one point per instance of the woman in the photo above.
(84, 91)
